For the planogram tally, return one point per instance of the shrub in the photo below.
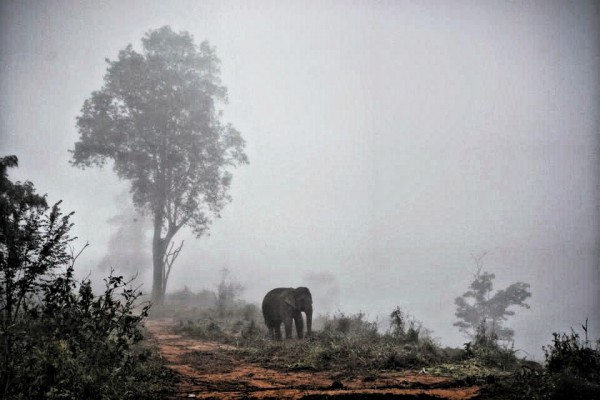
(355, 325)
(207, 329)
(569, 353)
(58, 339)
(73, 344)
(404, 327)
(571, 371)
(486, 348)
(573, 366)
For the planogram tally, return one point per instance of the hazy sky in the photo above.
(389, 143)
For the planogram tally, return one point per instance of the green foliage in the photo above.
(404, 327)
(572, 367)
(569, 353)
(33, 244)
(157, 118)
(486, 350)
(73, 344)
(571, 371)
(478, 305)
(58, 339)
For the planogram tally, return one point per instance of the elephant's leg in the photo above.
(308, 313)
(299, 324)
(288, 327)
(277, 331)
(274, 331)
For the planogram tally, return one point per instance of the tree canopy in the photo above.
(478, 308)
(157, 118)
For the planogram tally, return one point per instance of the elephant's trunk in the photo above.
(309, 320)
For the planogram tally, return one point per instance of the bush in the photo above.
(486, 349)
(57, 339)
(573, 366)
(75, 345)
(404, 327)
(355, 325)
(571, 371)
(202, 329)
(569, 353)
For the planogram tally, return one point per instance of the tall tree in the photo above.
(157, 118)
(480, 311)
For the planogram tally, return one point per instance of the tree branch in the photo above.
(170, 257)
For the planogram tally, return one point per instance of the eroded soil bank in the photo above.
(210, 370)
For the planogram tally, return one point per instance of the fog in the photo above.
(389, 144)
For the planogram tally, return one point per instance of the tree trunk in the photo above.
(158, 252)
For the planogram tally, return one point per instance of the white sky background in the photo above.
(389, 142)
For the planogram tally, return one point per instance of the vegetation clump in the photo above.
(214, 315)
(486, 348)
(57, 338)
(571, 371)
(206, 329)
(572, 367)
(346, 342)
(569, 353)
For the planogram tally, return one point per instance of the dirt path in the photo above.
(210, 371)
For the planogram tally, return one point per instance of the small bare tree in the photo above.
(228, 291)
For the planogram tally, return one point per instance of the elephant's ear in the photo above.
(289, 301)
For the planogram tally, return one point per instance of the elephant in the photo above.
(284, 305)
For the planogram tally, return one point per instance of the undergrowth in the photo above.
(75, 345)
(351, 344)
(346, 342)
(572, 368)
(59, 340)
(487, 349)
(571, 371)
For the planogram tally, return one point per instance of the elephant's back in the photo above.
(270, 304)
(274, 295)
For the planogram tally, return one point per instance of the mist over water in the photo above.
(389, 144)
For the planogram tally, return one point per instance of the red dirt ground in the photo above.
(208, 370)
